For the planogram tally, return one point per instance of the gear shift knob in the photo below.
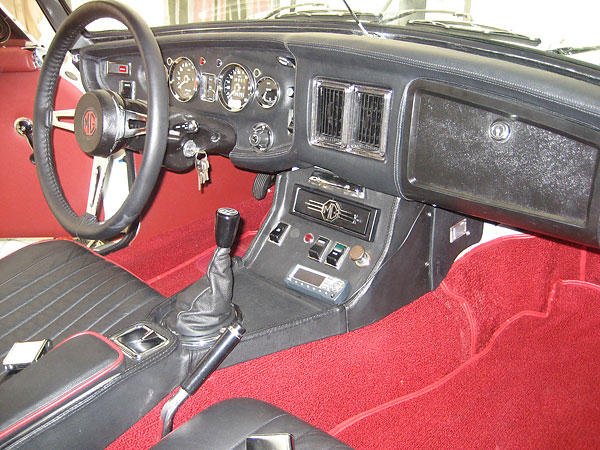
(226, 225)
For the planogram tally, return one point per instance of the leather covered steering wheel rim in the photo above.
(86, 225)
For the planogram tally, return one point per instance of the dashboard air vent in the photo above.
(370, 117)
(350, 117)
(330, 113)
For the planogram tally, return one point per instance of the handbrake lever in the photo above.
(204, 369)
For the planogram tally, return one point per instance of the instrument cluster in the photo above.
(234, 87)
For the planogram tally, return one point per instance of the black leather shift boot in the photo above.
(205, 307)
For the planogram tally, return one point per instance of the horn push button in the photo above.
(99, 122)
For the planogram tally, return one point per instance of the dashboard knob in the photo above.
(261, 137)
(359, 255)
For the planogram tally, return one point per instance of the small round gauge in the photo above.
(183, 79)
(236, 87)
(267, 92)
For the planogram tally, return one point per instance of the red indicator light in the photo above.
(309, 238)
(202, 60)
(123, 69)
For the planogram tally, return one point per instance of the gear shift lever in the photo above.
(205, 307)
(226, 225)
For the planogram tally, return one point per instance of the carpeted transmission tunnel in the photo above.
(504, 354)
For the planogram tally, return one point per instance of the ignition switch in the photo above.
(261, 138)
(190, 149)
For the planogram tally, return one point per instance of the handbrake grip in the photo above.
(205, 367)
(213, 358)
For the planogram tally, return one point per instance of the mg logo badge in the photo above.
(89, 122)
(330, 211)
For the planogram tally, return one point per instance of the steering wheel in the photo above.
(102, 123)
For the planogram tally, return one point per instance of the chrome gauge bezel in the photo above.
(175, 63)
(222, 99)
(259, 100)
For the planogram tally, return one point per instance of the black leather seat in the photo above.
(58, 288)
(226, 425)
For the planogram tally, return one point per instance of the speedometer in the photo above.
(236, 87)
(183, 79)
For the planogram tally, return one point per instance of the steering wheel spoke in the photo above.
(63, 114)
(103, 123)
(100, 173)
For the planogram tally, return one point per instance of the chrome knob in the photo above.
(261, 137)
(359, 255)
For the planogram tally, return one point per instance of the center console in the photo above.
(332, 257)
(89, 382)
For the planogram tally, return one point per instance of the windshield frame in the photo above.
(456, 39)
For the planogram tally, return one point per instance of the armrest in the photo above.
(72, 369)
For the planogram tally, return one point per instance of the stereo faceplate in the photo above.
(335, 212)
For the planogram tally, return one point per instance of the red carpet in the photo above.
(173, 260)
(504, 354)
(534, 386)
(174, 279)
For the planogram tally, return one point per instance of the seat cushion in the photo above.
(226, 425)
(57, 288)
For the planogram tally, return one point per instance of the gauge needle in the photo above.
(186, 78)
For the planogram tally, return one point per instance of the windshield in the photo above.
(542, 24)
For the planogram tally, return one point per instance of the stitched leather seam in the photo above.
(306, 432)
(39, 261)
(290, 324)
(37, 280)
(50, 303)
(126, 374)
(399, 143)
(78, 301)
(68, 390)
(454, 71)
(129, 314)
(122, 302)
(187, 311)
(48, 92)
(109, 295)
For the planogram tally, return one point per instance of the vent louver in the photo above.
(370, 118)
(349, 117)
(330, 112)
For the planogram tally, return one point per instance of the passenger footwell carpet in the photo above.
(533, 386)
(504, 354)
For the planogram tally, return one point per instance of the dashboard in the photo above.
(474, 133)
(252, 90)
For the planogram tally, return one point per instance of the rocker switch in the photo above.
(317, 249)
(333, 258)
(277, 233)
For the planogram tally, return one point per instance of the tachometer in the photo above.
(183, 79)
(236, 87)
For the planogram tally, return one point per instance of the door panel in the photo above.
(23, 210)
(22, 206)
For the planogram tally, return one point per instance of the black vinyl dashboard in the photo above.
(482, 135)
